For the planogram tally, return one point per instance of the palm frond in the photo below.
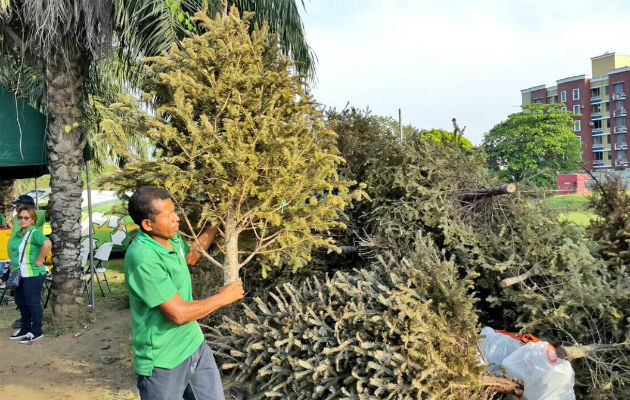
(284, 20)
(145, 28)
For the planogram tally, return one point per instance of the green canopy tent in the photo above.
(24, 151)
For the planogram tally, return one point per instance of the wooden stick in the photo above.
(517, 279)
(582, 351)
(507, 188)
(502, 385)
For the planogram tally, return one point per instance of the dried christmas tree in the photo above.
(530, 271)
(239, 143)
(611, 203)
(401, 329)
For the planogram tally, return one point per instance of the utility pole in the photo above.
(400, 124)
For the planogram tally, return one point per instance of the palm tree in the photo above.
(67, 39)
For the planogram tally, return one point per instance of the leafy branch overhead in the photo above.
(239, 143)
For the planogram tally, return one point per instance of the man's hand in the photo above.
(232, 292)
(39, 262)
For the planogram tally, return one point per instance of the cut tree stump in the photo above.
(507, 188)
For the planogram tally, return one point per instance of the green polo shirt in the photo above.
(33, 248)
(39, 224)
(153, 275)
(3, 220)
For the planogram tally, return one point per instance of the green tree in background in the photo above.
(240, 145)
(535, 144)
(391, 127)
(443, 137)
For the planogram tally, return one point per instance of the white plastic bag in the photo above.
(496, 347)
(546, 376)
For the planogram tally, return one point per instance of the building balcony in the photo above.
(619, 96)
(597, 132)
(620, 129)
(621, 146)
(598, 147)
(596, 116)
(619, 113)
(596, 99)
(621, 163)
(599, 164)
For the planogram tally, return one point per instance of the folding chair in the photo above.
(4, 267)
(3, 294)
(47, 287)
(101, 254)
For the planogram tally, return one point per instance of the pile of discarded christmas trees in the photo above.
(421, 246)
(440, 250)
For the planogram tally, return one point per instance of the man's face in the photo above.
(165, 222)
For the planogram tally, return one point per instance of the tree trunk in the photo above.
(8, 193)
(230, 267)
(64, 89)
(507, 188)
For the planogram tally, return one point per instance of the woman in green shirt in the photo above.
(27, 249)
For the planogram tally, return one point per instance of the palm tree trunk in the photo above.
(8, 192)
(64, 89)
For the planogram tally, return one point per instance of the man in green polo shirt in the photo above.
(171, 357)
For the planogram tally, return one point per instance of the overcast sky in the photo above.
(469, 59)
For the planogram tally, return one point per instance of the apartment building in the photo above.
(599, 103)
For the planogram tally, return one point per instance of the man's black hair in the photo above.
(141, 203)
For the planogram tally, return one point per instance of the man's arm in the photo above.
(180, 311)
(206, 238)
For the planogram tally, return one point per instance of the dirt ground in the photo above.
(93, 365)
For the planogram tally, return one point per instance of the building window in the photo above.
(597, 124)
(576, 94)
(618, 88)
(549, 99)
(607, 122)
(595, 93)
(579, 137)
(621, 138)
(577, 126)
(606, 90)
(576, 109)
(619, 105)
(596, 109)
(597, 141)
(621, 155)
(598, 156)
(563, 109)
(563, 97)
(539, 100)
(620, 122)
(607, 107)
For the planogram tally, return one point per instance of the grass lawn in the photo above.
(572, 207)
(567, 202)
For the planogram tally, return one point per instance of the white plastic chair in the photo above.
(101, 254)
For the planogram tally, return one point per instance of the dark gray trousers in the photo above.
(196, 378)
